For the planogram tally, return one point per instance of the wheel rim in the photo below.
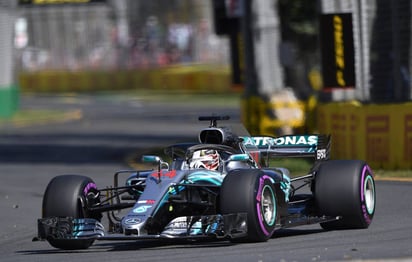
(268, 206)
(369, 193)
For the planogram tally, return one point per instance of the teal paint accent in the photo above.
(9, 100)
(212, 177)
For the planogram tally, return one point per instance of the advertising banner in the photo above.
(379, 134)
(337, 50)
(54, 2)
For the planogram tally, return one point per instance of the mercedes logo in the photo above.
(132, 221)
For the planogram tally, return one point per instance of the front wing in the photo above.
(213, 226)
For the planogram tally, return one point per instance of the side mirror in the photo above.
(151, 159)
(155, 160)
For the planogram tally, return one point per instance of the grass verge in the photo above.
(175, 96)
(296, 166)
(33, 117)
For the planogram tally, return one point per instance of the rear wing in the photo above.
(317, 146)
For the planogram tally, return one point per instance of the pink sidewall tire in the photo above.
(251, 192)
(346, 189)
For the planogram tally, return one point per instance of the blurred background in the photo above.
(117, 35)
(340, 67)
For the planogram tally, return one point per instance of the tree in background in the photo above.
(300, 45)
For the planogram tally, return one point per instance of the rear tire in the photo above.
(251, 192)
(65, 196)
(345, 188)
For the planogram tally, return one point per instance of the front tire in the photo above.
(251, 192)
(65, 196)
(345, 188)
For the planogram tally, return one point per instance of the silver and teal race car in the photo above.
(222, 187)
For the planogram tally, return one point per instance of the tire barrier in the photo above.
(196, 78)
(274, 117)
(379, 134)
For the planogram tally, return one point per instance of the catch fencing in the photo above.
(374, 122)
(117, 35)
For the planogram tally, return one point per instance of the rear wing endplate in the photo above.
(317, 146)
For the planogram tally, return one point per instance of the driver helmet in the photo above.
(206, 158)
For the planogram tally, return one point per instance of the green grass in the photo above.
(301, 166)
(174, 96)
(296, 166)
(394, 174)
(32, 117)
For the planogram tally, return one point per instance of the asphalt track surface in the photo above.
(114, 127)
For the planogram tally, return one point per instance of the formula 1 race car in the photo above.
(221, 187)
